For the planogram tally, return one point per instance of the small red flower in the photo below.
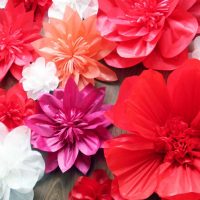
(161, 150)
(14, 106)
(96, 187)
(17, 31)
(155, 32)
(39, 7)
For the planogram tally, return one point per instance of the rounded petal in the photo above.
(183, 86)
(180, 29)
(137, 168)
(145, 107)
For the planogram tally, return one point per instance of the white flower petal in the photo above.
(85, 8)
(21, 167)
(39, 78)
(3, 132)
(3, 3)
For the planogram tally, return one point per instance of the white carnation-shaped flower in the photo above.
(3, 5)
(85, 8)
(20, 166)
(39, 78)
(195, 48)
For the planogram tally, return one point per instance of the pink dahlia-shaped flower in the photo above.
(155, 32)
(70, 126)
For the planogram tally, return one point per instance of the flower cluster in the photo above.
(54, 54)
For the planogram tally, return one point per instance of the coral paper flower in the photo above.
(85, 8)
(96, 187)
(21, 167)
(38, 7)
(75, 49)
(39, 78)
(15, 106)
(70, 126)
(161, 151)
(17, 31)
(155, 32)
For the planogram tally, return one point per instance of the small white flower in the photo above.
(195, 48)
(20, 167)
(3, 3)
(85, 8)
(39, 78)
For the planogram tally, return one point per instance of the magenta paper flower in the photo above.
(70, 126)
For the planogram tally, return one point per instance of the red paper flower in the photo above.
(14, 106)
(17, 31)
(39, 7)
(155, 32)
(161, 151)
(96, 187)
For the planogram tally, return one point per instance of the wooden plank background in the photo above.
(56, 186)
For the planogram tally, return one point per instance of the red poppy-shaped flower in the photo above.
(39, 7)
(161, 150)
(15, 106)
(17, 31)
(70, 126)
(155, 32)
(96, 187)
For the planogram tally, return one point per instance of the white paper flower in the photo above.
(85, 8)
(3, 3)
(195, 48)
(39, 78)
(20, 166)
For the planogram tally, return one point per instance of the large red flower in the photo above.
(39, 7)
(96, 187)
(17, 31)
(15, 106)
(155, 32)
(161, 151)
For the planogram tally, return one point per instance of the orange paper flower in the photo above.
(76, 46)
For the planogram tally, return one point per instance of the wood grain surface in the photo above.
(56, 186)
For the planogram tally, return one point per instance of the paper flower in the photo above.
(15, 106)
(98, 186)
(195, 48)
(38, 7)
(17, 31)
(70, 126)
(21, 167)
(156, 33)
(39, 78)
(160, 152)
(3, 3)
(85, 8)
(75, 51)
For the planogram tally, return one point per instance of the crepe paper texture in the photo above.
(156, 33)
(17, 31)
(160, 151)
(39, 78)
(85, 8)
(18, 176)
(75, 50)
(70, 126)
(15, 106)
(98, 186)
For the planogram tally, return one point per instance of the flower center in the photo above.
(146, 13)
(178, 142)
(11, 114)
(10, 40)
(69, 129)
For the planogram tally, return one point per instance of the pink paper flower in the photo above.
(17, 31)
(156, 33)
(70, 126)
